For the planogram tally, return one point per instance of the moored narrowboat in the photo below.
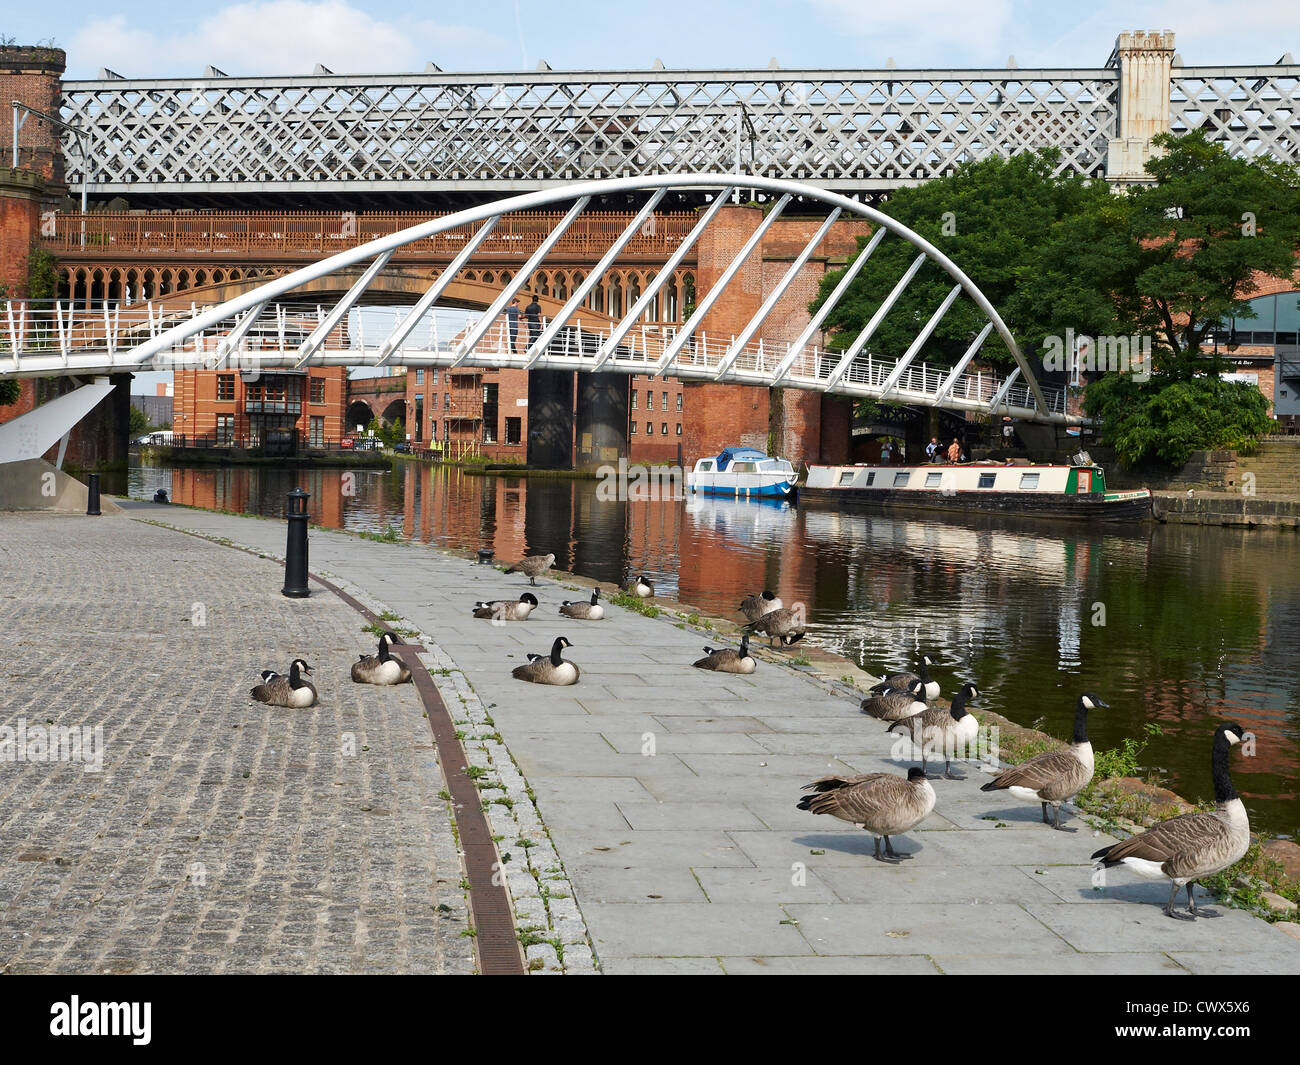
(1076, 492)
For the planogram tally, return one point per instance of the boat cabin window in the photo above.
(846, 477)
(987, 479)
(1028, 481)
(933, 480)
(871, 478)
(900, 479)
(744, 467)
(705, 465)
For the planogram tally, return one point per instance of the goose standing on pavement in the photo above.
(903, 681)
(592, 611)
(785, 625)
(506, 609)
(533, 566)
(951, 731)
(896, 706)
(548, 669)
(287, 690)
(728, 659)
(1056, 776)
(882, 803)
(1185, 849)
(755, 606)
(381, 668)
(641, 588)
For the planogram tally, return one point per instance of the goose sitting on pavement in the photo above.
(755, 606)
(1184, 849)
(903, 681)
(381, 668)
(896, 705)
(728, 659)
(581, 611)
(506, 609)
(882, 803)
(533, 566)
(952, 731)
(287, 690)
(641, 588)
(548, 669)
(1056, 776)
(785, 625)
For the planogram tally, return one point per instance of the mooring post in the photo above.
(295, 552)
(92, 496)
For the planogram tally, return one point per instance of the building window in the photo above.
(679, 428)
(225, 387)
(634, 395)
(318, 390)
(665, 403)
(679, 401)
(433, 376)
(446, 401)
(225, 429)
(514, 430)
(316, 434)
(663, 429)
(419, 419)
(419, 375)
(649, 428)
(649, 400)
(634, 428)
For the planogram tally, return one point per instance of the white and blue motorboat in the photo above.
(742, 472)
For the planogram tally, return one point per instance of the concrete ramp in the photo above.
(34, 484)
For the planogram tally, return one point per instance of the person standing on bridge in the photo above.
(512, 324)
(533, 312)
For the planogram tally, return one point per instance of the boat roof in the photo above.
(739, 454)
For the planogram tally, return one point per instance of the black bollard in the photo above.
(485, 556)
(92, 496)
(295, 552)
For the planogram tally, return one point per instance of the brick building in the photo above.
(281, 409)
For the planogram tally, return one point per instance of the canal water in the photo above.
(1176, 625)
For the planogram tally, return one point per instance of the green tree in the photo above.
(138, 422)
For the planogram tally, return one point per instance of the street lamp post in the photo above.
(18, 105)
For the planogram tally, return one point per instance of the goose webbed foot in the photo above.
(947, 772)
(1171, 912)
(1196, 911)
(890, 852)
(882, 857)
(1056, 824)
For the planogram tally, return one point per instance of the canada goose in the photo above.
(950, 731)
(755, 606)
(548, 669)
(903, 681)
(785, 625)
(728, 659)
(533, 566)
(381, 668)
(641, 588)
(592, 611)
(289, 690)
(1057, 775)
(882, 803)
(507, 609)
(896, 706)
(1185, 849)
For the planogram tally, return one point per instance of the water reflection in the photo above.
(1180, 626)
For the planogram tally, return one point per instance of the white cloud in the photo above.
(275, 37)
(921, 33)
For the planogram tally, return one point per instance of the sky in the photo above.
(137, 38)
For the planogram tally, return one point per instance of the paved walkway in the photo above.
(220, 835)
(670, 796)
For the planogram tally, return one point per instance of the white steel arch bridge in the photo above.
(41, 340)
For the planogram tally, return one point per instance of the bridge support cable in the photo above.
(900, 367)
(236, 336)
(336, 313)
(945, 389)
(810, 330)
(715, 293)
(769, 304)
(517, 282)
(593, 277)
(425, 303)
(639, 308)
(860, 342)
(1002, 392)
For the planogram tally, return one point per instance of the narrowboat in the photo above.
(1076, 492)
(743, 472)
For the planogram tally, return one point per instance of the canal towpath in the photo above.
(669, 793)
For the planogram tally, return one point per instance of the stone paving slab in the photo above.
(968, 901)
(220, 835)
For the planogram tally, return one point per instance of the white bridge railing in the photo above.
(42, 339)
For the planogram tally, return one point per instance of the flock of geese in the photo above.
(1181, 850)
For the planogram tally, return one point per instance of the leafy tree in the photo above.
(138, 422)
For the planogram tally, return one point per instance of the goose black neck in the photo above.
(924, 671)
(594, 596)
(555, 653)
(744, 644)
(383, 651)
(1222, 776)
(295, 678)
(1081, 723)
(959, 705)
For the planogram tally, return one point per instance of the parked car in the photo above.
(403, 448)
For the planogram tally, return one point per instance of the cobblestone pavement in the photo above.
(220, 835)
(669, 795)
